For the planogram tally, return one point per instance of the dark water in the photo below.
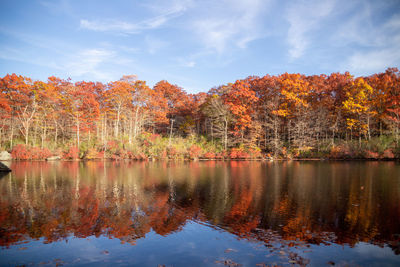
(201, 214)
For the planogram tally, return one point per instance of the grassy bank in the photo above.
(153, 146)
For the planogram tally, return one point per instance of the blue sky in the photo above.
(196, 44)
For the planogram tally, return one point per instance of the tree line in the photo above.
(287, 115)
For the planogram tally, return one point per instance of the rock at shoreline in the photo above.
(54, 158)
(4, 168)
(4, 155)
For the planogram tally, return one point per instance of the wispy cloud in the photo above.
(187, 63)
(124, 27)
(95, 62)
(303, 17)
(21, 55)
(231, 24)
(373, 61)
(377, 44)
(89, 59)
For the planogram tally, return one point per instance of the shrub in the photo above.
(388, 154)
(94, 154)
(72, 153)
(171, 152)
(340, 152)
(209, 155)
(255, 153)
(222, 155)
(194, 151)
(371, 155)
(40, 153)
(21, 152)
(239, 153)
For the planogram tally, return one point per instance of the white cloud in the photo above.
(373, 61)
(230, 24)
(187, 63)
(169, 7)
(303, 17)
(118, 26)
(88, 60)
(91, 62)
(359, 29)
(22, 55)
(376, 43)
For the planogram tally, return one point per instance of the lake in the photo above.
(237, 213)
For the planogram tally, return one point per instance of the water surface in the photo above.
(201, 214)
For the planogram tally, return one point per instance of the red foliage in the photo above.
(221, 155)
(388, 154)
(112, 145)
(73, 153)
(141, 156)
(153, 137)
(239, 153)
(123, 154)
(40, 153)
(100, 155)
(194, 151)
(23, 152)
(171, 152)
(371, 155)
(209, 155)
(115, 157)
(254, 153)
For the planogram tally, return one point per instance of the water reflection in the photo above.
(291, 203)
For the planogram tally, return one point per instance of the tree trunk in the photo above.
(56, 134)
(77, 132)
(276, 148)
(26, 135)
(289, 137)
(170, 132)
(130, 130)
(117, 124)
(44, 134)
(135, 130)
(12, 133)
(226, 134)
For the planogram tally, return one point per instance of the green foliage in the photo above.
(380, 144)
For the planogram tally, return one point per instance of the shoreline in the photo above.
(198, 160)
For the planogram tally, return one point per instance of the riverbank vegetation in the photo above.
(285, 116)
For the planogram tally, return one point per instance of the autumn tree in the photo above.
(119, 97)
(23, 102)
(219, 116)
(81, 105)
(359, 107)
(241, 100)
(169, 105)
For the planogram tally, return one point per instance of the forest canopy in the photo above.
(287, 115)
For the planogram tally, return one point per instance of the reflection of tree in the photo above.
(240, 218)
(316, 203)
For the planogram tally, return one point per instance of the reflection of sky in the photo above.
(363, 254)
(281, 203)
(196, 245)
